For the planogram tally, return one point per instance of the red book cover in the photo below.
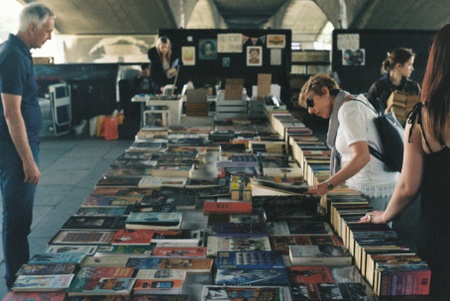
(237, 207)
(132, 237)
(310, 274)
(105, 272)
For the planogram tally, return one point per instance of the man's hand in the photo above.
(32, 173)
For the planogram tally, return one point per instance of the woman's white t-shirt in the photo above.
(357, 123)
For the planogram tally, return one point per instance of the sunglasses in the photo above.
(310, 101)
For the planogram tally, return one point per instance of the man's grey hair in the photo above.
(34, 13)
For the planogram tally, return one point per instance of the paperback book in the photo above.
(42, 283)
(253, 276)
(249, 259)
(35, 296)
(87, 250)
(157, 286)
(47, 258)
(240, 229)
(319, 255)
(101, 286)
(103, 211)
(154, 220)
(236, 293)
(155, 274)
(185, 252)
(47, 269)
(94, 223)
(132, 237)
(128, 250)
(230, 243)
(105, 272)
(82, 237)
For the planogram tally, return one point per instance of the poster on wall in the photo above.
(229, 42)
(254, 56)
(207, 49)
(188, 55)
(354, 57)
(275, 57)
(276, 41)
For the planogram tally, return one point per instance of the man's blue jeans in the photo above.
(18, 199)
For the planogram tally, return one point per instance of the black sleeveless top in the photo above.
(434, 235)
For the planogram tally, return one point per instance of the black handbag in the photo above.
(391, 134)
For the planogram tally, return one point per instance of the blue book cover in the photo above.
(250, 259)
(240, 229)
(261, 277)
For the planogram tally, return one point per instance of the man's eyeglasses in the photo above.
(310, 101)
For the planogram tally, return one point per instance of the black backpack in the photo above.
(391, 134)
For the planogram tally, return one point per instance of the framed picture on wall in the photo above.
(276, 41)
(254, 56)
(188, 55)
(207, 49)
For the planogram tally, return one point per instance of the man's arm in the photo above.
(16, 126)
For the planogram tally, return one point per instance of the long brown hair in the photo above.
(436, 84)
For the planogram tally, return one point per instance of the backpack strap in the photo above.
(372, 151)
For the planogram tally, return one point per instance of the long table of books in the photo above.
(219, 213)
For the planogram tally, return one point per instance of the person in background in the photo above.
(426, 168)
(351, 130)
(396, 70)
(162, 71)
(142, 82)
(20, 123)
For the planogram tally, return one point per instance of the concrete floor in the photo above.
(70, 167)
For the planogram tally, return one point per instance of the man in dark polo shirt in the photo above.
(20, 123)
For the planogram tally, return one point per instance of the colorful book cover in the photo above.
(36, 283)
(109, 200)
(243, 243)
(310, 274)
(46, 258)
(83, 237)
(319, 255)
(156, 274)
(35, 296)
(329, 291)
(132, 237)
(157, 286)
(236, 293)
(232, 207)
(179, 251)
(105, 261)
(200, 265)
(144, 263)
(134, 251)
(253, 276)
(105, 272)
(47, 269)
(249, 259)
(87, 250)
(101, 286)
(94, 223)
(154, 220)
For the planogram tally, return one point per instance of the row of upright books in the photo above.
(237, 227)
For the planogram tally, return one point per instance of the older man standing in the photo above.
(20, 123)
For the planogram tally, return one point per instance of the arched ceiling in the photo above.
(306, 18)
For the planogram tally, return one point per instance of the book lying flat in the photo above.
(42, 283)
(101, 286)
(35, 296)
(154, 220)
(319, 255)
(82, 237)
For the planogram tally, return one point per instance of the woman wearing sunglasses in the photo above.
(351, 130)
